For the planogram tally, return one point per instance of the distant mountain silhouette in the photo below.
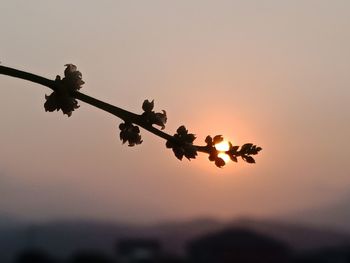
(8, 221)
(65, 237)
(336, 215)
(237, 245)
(298, 236)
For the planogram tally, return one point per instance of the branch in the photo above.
(66, 92)
(27, 76)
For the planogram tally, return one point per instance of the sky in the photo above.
(274, 73)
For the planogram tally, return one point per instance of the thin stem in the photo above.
(27, 76)
(122, 114)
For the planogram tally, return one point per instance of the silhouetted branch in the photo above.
(27, 76)
(66, 91)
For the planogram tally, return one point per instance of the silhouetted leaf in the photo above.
(189, 138)
(179, 152)
(182, 130)
(248, 159)
(151, 117)
(212, 157)
(190, 151)
(217, 139)
(245, 148)
(160, 119)
(219, 162)
(209, 140)
(169, 144)
(234, 149)
(233, 158)
(148, 106)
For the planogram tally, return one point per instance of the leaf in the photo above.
(234, 149)
(169, 144)
(179, 153)
(148, 106)
(189, 138)
(233, 158)
(182, 130)
(209, 140)
(219, 162)
(212, 157)
(217, 139)
(190, 151)
(246, 147)
(160, 119)
(248, 159)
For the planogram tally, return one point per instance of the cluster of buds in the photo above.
(233, 152)
(130, 133)
(247, 150)
(151, 117)
(182, 144)
(61, 98)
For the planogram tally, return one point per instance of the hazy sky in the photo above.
(275, 73)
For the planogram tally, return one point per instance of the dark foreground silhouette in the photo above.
(232, 245)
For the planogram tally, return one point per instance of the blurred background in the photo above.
(274, 73)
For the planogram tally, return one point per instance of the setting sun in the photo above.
(222, 147)
(225, 157)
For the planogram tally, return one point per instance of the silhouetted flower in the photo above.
(130, 133)
(182, 144)
(60, 101)
(72, 78)
(148, 106)
(160, 119)
(61, 98)
(151, 117)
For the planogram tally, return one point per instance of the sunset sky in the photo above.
(274, 73)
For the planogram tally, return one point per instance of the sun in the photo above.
(222, 147)
(225, 157)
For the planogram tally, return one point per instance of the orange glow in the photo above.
(222, 147)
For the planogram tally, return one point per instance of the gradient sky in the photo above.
(275, 73)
